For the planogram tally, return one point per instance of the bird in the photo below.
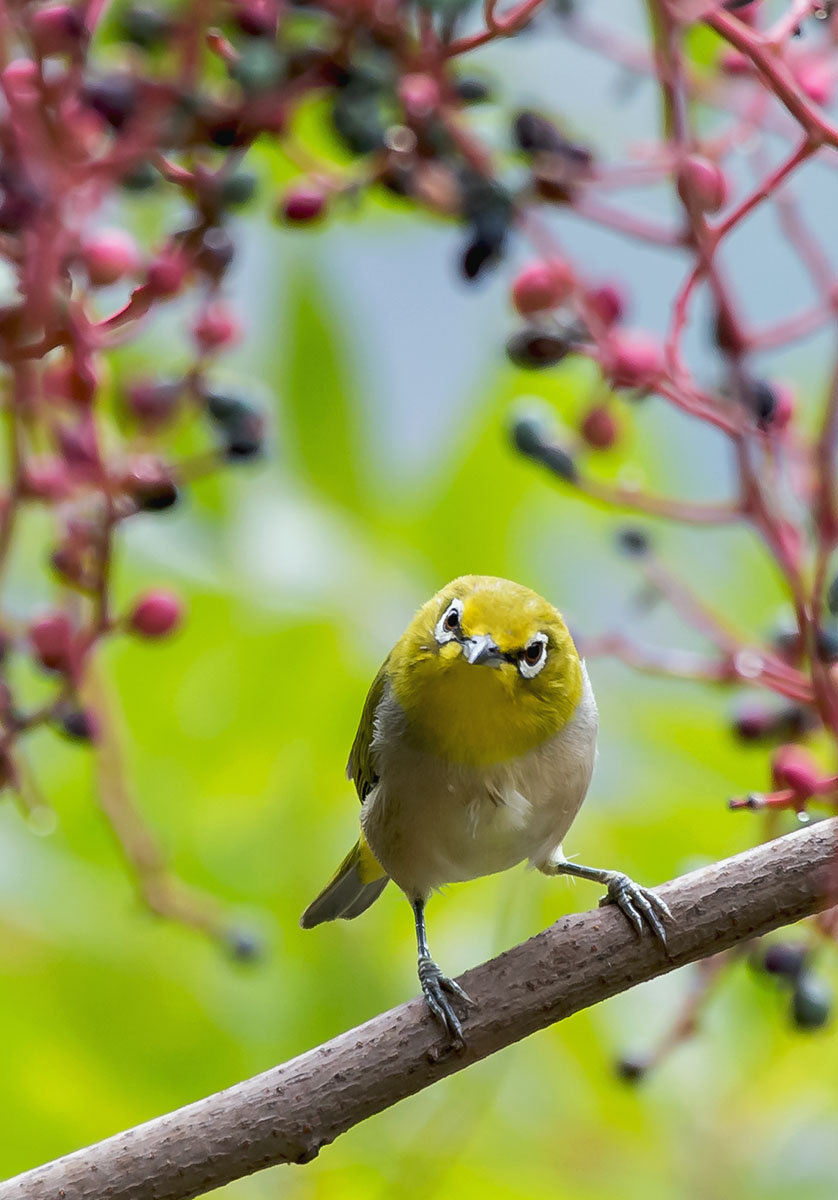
(474, 752)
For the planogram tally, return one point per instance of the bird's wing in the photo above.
(361, 767)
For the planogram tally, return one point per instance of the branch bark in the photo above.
(288, 1113)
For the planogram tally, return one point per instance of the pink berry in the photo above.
(303, 204)
(816, 79)
(542, 286)
(156, 614)
(51, 638)
(45, 478)
(153, 401)
(734, 62)
(794, 767)
(109, 256)
(21, 80)
(57, 29)
(637, 359)
(608, 303)
(420, 95)
(784, 407)
(599, 427)
(216, 326)
(702, 181)
(167, 272)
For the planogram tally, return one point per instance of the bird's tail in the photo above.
(357, 883)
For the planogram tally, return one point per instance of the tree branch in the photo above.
(288, 1113)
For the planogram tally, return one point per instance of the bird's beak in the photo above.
(482, 649)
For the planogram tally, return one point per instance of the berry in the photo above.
(51, 639)
(156, 614)
(608, 303)
(826, 645)
(79, 724)
(215, 251)
(632, 1070)
(599, 427)
(114, 98)
(811, 1005)
(153, 401)
(702, 181)
(149, 482)
(109, 256)
(259, 68)
(146, 27)
(257, 18)
(786, 959)
(216, 326)
(637, 360)
(420, 96)
(57, 29)
(471, 90)
(140, 178)
(536, 349)
(167, 272)
(237, 189)
(241, 426)
(244, 945)
(542, 286)
(633, 542)
(794, 767)
(302, 205)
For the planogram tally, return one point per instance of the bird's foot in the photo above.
(437, 988)
(640, 905)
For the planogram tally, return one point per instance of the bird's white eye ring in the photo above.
(533, 657)
(449, 624)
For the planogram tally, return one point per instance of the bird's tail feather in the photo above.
(357, 883)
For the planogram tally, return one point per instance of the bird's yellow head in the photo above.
(485, 671)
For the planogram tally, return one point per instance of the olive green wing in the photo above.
(361, 767)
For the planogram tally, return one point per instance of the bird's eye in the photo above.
(449, 625)
(532, 658)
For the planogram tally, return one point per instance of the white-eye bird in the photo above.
(474, 752)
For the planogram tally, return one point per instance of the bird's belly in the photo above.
(430, 822)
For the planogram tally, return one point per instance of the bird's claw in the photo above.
(437, 988)
(639, 904)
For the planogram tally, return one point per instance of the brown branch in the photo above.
(291, 1111)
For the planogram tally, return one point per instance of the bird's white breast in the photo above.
(431, 822)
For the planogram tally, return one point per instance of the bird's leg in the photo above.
(638, 903)
(437, 987)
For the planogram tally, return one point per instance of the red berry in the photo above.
(57, 29)
(542, 286)
(51, 638)
(167, 272)
(109, 256)
(794, 767)
(608, 303)
(599, 427)
(303, 204)
(216, 326)
(420, 95)
(702, 181)
(155, 614)
(637, 360)
(21, 80)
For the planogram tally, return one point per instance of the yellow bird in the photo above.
(474, 753)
